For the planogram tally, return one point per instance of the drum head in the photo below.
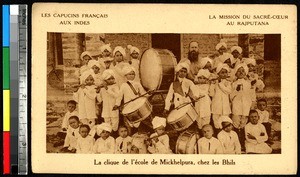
(177, 113)
(134, 105)
(150, 69)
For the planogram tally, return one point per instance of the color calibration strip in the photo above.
(15, 123)
(6, 87)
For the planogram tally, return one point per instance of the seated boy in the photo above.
(72, 135)
(159, 143)
(256, 136)
(105, 144)
(71, 106)
(209, 144)
(264, 115)
(123, 142)
(229, 138)
(85, 142)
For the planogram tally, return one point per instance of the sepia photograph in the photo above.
(164, 89)
(162, 93)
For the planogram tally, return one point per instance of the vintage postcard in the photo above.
(164, 89)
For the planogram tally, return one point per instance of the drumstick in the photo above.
(119, 107)
(184, 104)
(165, 133)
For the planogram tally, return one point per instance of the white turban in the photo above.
(226, 56)
(107, 74)
(222, 66)
(220, 44)
(85, 53)
(133, 49)
(203, 72)
(237, 48)
(250, 61)
(127, 69)
(93, 63)
(159, 121)
(182, 65)
(204, 61)
(86, 74)
(105, 47)
(121, 50)
(103, 126)
(241, 65)
(227, 120)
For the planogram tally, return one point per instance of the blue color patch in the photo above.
(5, 25)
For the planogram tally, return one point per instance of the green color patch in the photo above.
(6, 75)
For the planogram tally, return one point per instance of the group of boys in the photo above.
(223, 88)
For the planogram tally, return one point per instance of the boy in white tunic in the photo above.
(85, 58)
(86, 98)
(160, 141)
(209, 144)
(229, 138)
(85, 142)
(264, 116)
(203, 105)
(123, 142)
(71, 106)
(236, 52)
(108, 96)
(105, 144)
(220, 91)
(128, 91)
(134, 60)
(138, 140)
(105, 60)
(72, 135)
(181, 90)
(256, 83)
(256, 136)
(95, 66)
(119, 54)
(242, 99)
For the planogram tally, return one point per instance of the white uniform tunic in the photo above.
(108, 97)
(203, 106)
(263, 116)
(230, 142)
(242, 99)
(71, 138)
(258, 144)
(187, 87)
(220, 102)
(123, 145)
(105, 146)
(209, 146)
(127, 93)
(86, 99)
(160, 147)
(85, 145)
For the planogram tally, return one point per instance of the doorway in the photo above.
(167, 41)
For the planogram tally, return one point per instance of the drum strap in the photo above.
(132, 88)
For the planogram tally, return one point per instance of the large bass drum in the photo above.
(157, 69)
(187, 143)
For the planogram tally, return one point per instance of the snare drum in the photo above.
(180, 119)
(137, 110)
(157, 69)
(187, 143)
